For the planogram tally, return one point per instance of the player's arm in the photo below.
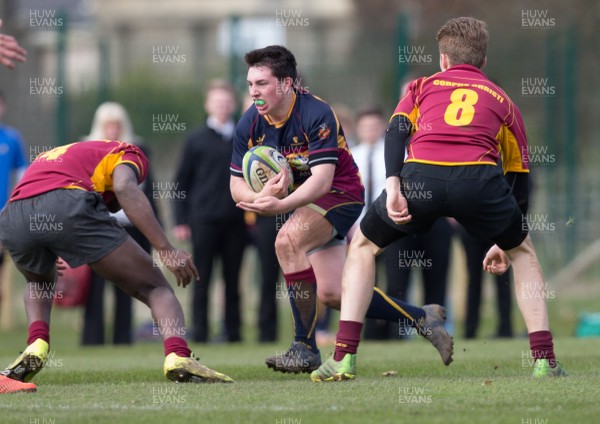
(275, 187)
(519, 182)
(396, 138)
(240, 191)
(315, 187)
(515, 164)
(139, 211)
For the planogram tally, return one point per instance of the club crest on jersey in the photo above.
(298, 161)
(259, 142)
(324, 132)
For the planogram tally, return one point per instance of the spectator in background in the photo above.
(111, 122)
(10, 50)
(209, 215)
(12, 166)
(264, 235)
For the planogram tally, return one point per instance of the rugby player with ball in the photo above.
(326, 199)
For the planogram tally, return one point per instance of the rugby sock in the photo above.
(542, 347)
(39, 330)
(347, 339)
(391, 309)
(178, 346)
(302, 291)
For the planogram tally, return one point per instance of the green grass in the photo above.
(486, 383)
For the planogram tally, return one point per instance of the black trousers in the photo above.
(429, 253)
(475, 250)
(93, 316)
(212, 240)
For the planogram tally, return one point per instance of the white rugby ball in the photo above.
(261, 163)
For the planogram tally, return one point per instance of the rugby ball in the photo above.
(260, 164)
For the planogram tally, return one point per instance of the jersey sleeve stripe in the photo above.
(318, 151)
(320, 161)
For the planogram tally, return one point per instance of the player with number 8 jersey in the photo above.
(442, 150)
(462, 121)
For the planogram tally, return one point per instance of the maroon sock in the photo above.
(178, 346)
(542, 347)
(347, 339)
(38, 330)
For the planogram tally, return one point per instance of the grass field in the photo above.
(489, 382)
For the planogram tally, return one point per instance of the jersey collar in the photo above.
(464, 67)
(287, 116)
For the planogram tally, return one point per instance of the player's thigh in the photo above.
(43, 281)
(132, 269)
(378, 230)
(484, 205)
(25, 242)
(305, 230)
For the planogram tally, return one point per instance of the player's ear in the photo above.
(285, 84)
(484, 62)
(443, 62)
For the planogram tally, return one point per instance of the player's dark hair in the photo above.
(278, 59)
(464, 40)
(372, 111)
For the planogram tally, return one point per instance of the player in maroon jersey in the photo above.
(60, 208)
(455, 122)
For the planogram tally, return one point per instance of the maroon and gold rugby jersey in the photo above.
(86, 165)
(460, 117)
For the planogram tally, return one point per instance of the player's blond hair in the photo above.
(464, 40)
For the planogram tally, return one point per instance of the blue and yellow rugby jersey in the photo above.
(310, 135)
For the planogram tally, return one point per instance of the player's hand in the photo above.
(264, 206)
(180, 264)
(496, 261)
(182, 232)
(61, 266)
(10, 50)
(397, 207)
(276, 186)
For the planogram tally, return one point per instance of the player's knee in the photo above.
(329, 296)
(361, 245)
(286, 247)
(145, 289)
